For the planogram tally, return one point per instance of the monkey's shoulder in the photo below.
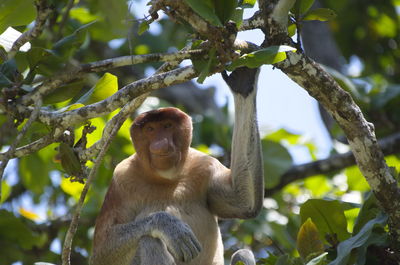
(202, 165)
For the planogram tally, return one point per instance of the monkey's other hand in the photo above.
(176, 235)
(241, 80)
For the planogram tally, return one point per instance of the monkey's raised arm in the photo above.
(239, 193)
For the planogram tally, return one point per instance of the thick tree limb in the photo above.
(389, 145)
(117, 100)
(255, 22)
(345, 111)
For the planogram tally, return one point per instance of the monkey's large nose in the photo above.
(160, 147)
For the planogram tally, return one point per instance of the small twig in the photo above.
(10, 152)
(43, 12)
(118, 121)
(65, 17)
(31, 147)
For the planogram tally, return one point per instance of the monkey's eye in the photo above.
(149, 129)
(167, 125)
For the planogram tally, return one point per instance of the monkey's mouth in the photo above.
(162, 155)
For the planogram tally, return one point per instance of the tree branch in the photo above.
(10, 152)
(360, 134)
(255, 22)
(104, 65)
(43, 12)
(117, 123)
(32, 147)
(389, 145)
(101, 146)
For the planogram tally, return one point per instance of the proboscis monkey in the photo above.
(163, 202)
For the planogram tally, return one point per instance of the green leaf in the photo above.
(317, 185)
(36, 131)
(247, 3)
(355, 180)
(292, 28)
(270, 55)
(104, 88)
(69, 160)
(16, 13)
(206, 9)
(309, 240)
(34, 173)
(369, 210)
(237, 16)
(301, 7)
(321, 14)
(13, 229)
(5, 191)
(67, 45)
(63, 92)
(327, 215)
(205, 67)
(345, 248)
(284, 135)
(83, 15)
(143, 27)
(376, 239)
(43, 61)
(277, 161)
(320, 260)
(8, 71)
(225, 9)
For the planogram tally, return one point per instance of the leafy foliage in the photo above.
(306, 222)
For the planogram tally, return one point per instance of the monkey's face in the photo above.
(163, 150)
(162, 138)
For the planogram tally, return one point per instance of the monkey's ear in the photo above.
(241, 80)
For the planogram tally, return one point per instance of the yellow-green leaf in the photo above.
(5, 191)
(309, 243)
(248, 3)
(72, 188)
(143, 27)
(270, 55)
(28, 214)
(105, 87)
(321, 14)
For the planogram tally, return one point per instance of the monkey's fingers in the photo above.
(193, 246)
